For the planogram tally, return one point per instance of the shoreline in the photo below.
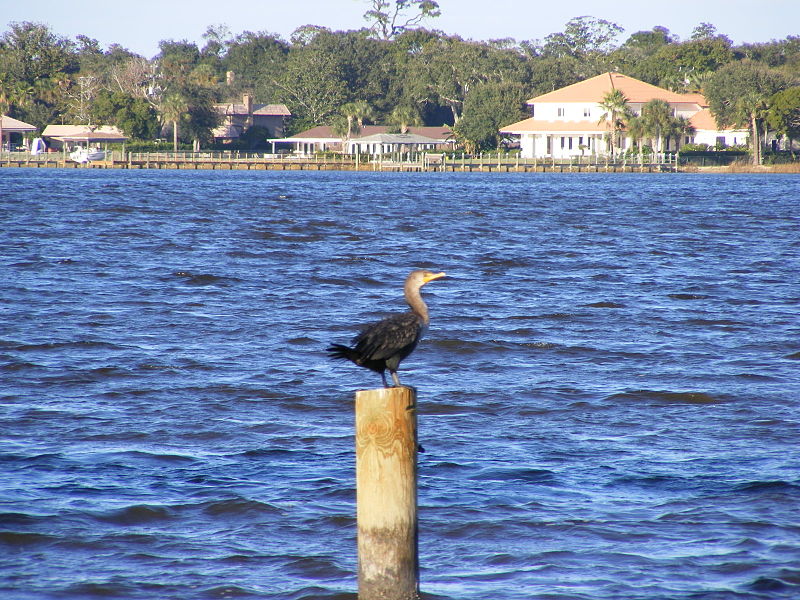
(455, 166)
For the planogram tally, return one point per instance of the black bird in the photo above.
(382, 345)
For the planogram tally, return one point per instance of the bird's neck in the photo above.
(417, 304)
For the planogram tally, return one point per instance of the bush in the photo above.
(695, 148)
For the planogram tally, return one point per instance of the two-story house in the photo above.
(569, 122)
(239, 117)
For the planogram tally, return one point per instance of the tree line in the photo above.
(393, 72)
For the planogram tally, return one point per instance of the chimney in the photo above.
(230, 77)
(247, 100)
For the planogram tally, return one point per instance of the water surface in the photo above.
(609, 387)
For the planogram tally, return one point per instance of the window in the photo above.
(570, 143)
(561, 111)
(587, 112)
(563, 142)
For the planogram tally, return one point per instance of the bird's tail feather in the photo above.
(342, 352)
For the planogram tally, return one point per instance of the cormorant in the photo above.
(381, 346)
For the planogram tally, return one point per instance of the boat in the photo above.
(85, 155)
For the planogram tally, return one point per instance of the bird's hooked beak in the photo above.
(432, 276)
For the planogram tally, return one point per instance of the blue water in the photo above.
(608, 390)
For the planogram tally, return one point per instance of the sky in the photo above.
(140, 24)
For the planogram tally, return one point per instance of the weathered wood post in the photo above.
(386, 493)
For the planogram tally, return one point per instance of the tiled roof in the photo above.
(541, 125)
(698, 99)
(704, 121)
(274, 110)
(594, 88)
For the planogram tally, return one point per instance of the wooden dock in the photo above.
(221, 162)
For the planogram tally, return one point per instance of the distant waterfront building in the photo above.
(567, 122)
(10, 125)
(370, 139)
(61, 136)
(239, 117)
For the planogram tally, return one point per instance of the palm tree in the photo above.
(679, 127)
(636, 130)
(172, 110)
(754, 104)
(362, 111)
(405, 116)
(657, 116)
(355, 113)
(615, 112)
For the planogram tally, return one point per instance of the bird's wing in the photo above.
(386, 338)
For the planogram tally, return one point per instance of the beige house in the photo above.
(239, 117)
(67, 136)
(567, 122)
(9, 125)
(370, 139)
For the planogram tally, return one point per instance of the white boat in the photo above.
(84, 155)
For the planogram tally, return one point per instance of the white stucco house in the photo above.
(707, 132)
(567, 122)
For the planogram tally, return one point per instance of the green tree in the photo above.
(403, 117)
(201, 118)
(615, 112)
(678, 128)
(355, 113)
(388, 19)
(588, 39)
(32, 52)
(782, 54)
(173, 109)
(548, 73)
(784, 113)
(257, 61)
(446, 68)
(488, 107)
(364, 65)
(636, 53)
(657, 120)
(739, 95)
(312, 85)
(583, 36)
(636, 130)
(707, 31)
(678, 63)
(36, 66)
(132, 115)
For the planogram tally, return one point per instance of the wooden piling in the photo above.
(386, 493)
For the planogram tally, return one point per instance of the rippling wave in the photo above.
(608, 389)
